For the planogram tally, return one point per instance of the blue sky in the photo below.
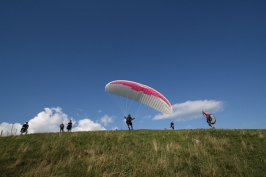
(57, 56)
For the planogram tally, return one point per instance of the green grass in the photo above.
(137, 153)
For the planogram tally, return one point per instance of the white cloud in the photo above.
(147, 117)
(106, 120)
(49, 121)
(87, 125)
(191, 110)
(6, 128)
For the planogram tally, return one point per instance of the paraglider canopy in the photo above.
(141, 93)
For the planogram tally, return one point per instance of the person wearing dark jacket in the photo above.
(172, 125)
(69, 126)
(24, 128)
(129, 121)
(62, 127)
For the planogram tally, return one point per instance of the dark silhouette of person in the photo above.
(69, 126)
(62, 127)
(24, 128)
(172, 125)
(129, 121)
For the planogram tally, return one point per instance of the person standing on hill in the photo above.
(129, 121)
(208, 118)
(172, 125)
(69, 126)
(24, 128)
(62, 127)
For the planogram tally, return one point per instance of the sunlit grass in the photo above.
(135, 153)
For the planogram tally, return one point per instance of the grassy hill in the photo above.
(137, 153)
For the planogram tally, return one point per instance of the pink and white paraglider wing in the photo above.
(141, 93)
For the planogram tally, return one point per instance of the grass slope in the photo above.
(135, 153)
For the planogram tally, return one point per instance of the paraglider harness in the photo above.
(211, 119)
(129, 120)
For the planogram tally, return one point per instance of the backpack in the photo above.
(128, 120)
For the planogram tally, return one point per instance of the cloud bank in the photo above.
(8, 129)
(191, 110)
(49, 121)
(106, 120)
(87, 125)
